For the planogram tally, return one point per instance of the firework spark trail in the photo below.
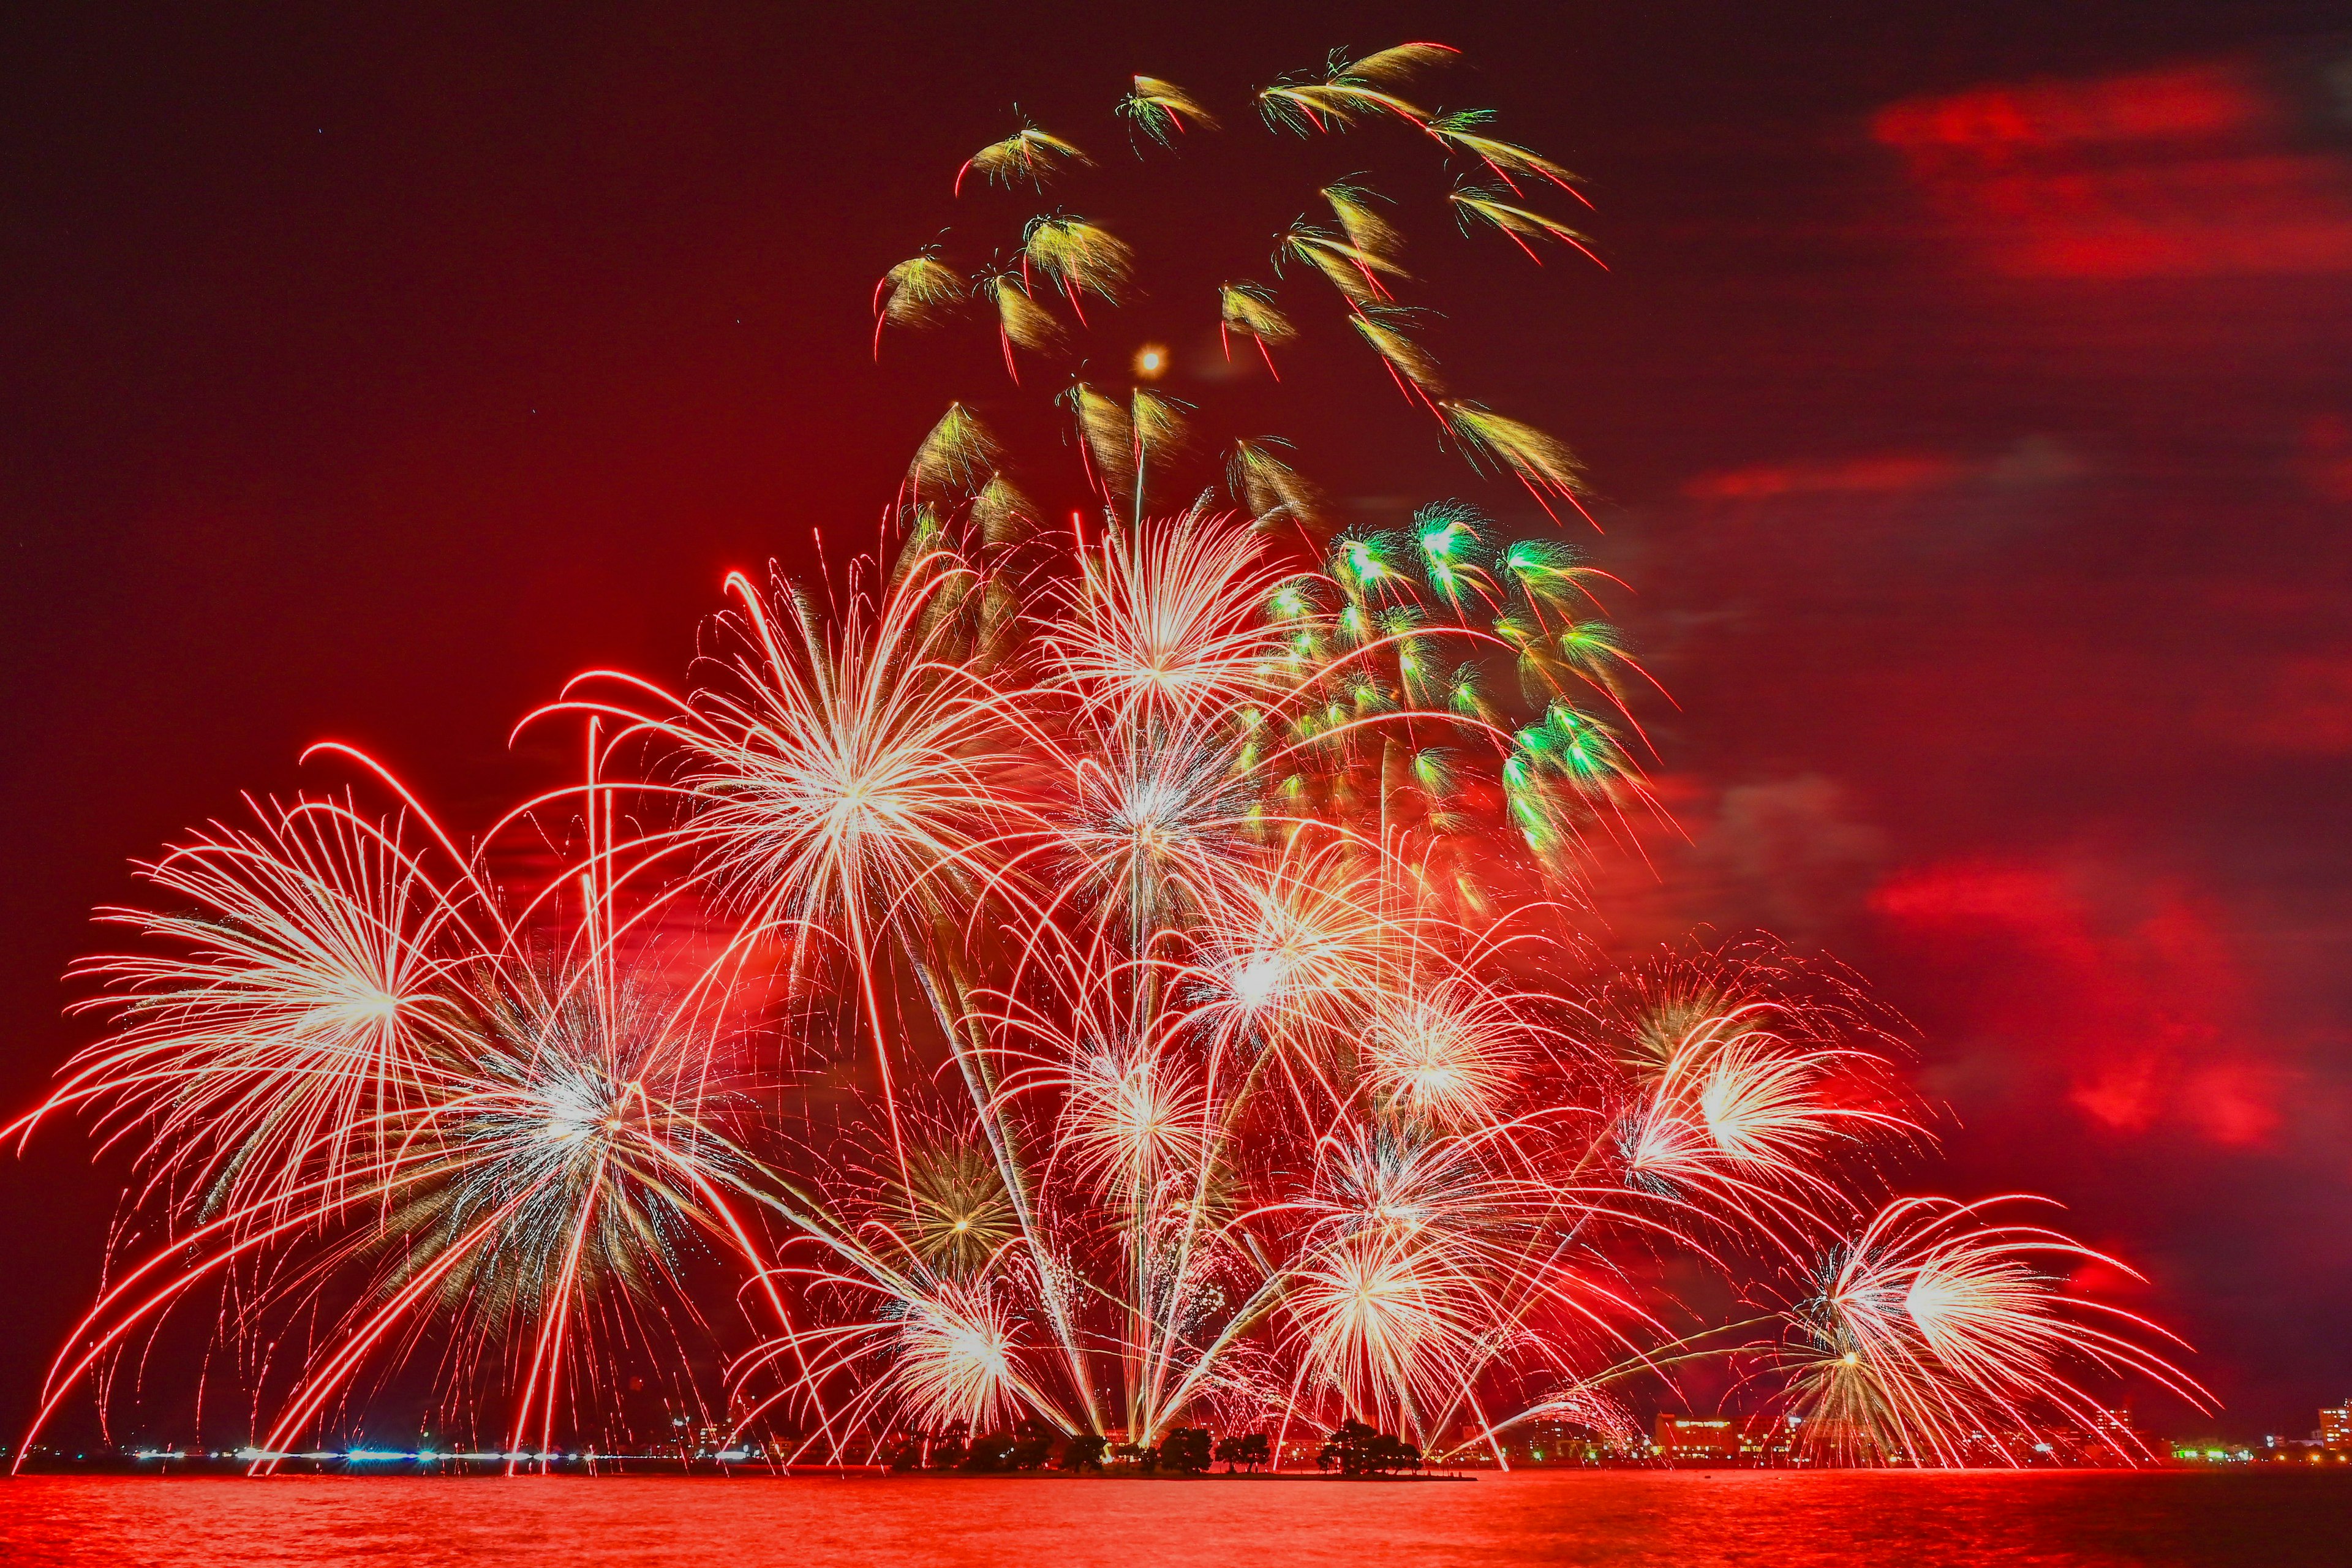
(1163, 111)
(1935, 1321)
(1102, 978)
(1249, 309)
(301, 1007)
(919, 291)
(1029, 156)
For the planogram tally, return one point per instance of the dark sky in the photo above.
(1969, 401)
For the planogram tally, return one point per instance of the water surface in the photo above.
(1690, 1518)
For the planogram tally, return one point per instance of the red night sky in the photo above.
(1966, 400)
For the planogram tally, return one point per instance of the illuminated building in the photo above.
(1559, 1443)
(1705, 1440)
(1726, 1439)
(2335, 1428)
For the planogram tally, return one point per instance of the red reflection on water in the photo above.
(1690, 1518)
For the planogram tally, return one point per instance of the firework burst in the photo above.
(1092, 978)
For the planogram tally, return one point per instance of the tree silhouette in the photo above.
(1186, 1450)
(1356, 1449)
(990, 1452)
(1242, 1451)
(1034, 1448)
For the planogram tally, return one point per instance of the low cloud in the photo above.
(2126, 992)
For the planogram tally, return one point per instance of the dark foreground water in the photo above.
(1690, 1520)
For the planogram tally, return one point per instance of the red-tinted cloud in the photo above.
(1884, 472)
(2178, 172)
(2198, 101)
(2298, 705)
(2127, 993)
